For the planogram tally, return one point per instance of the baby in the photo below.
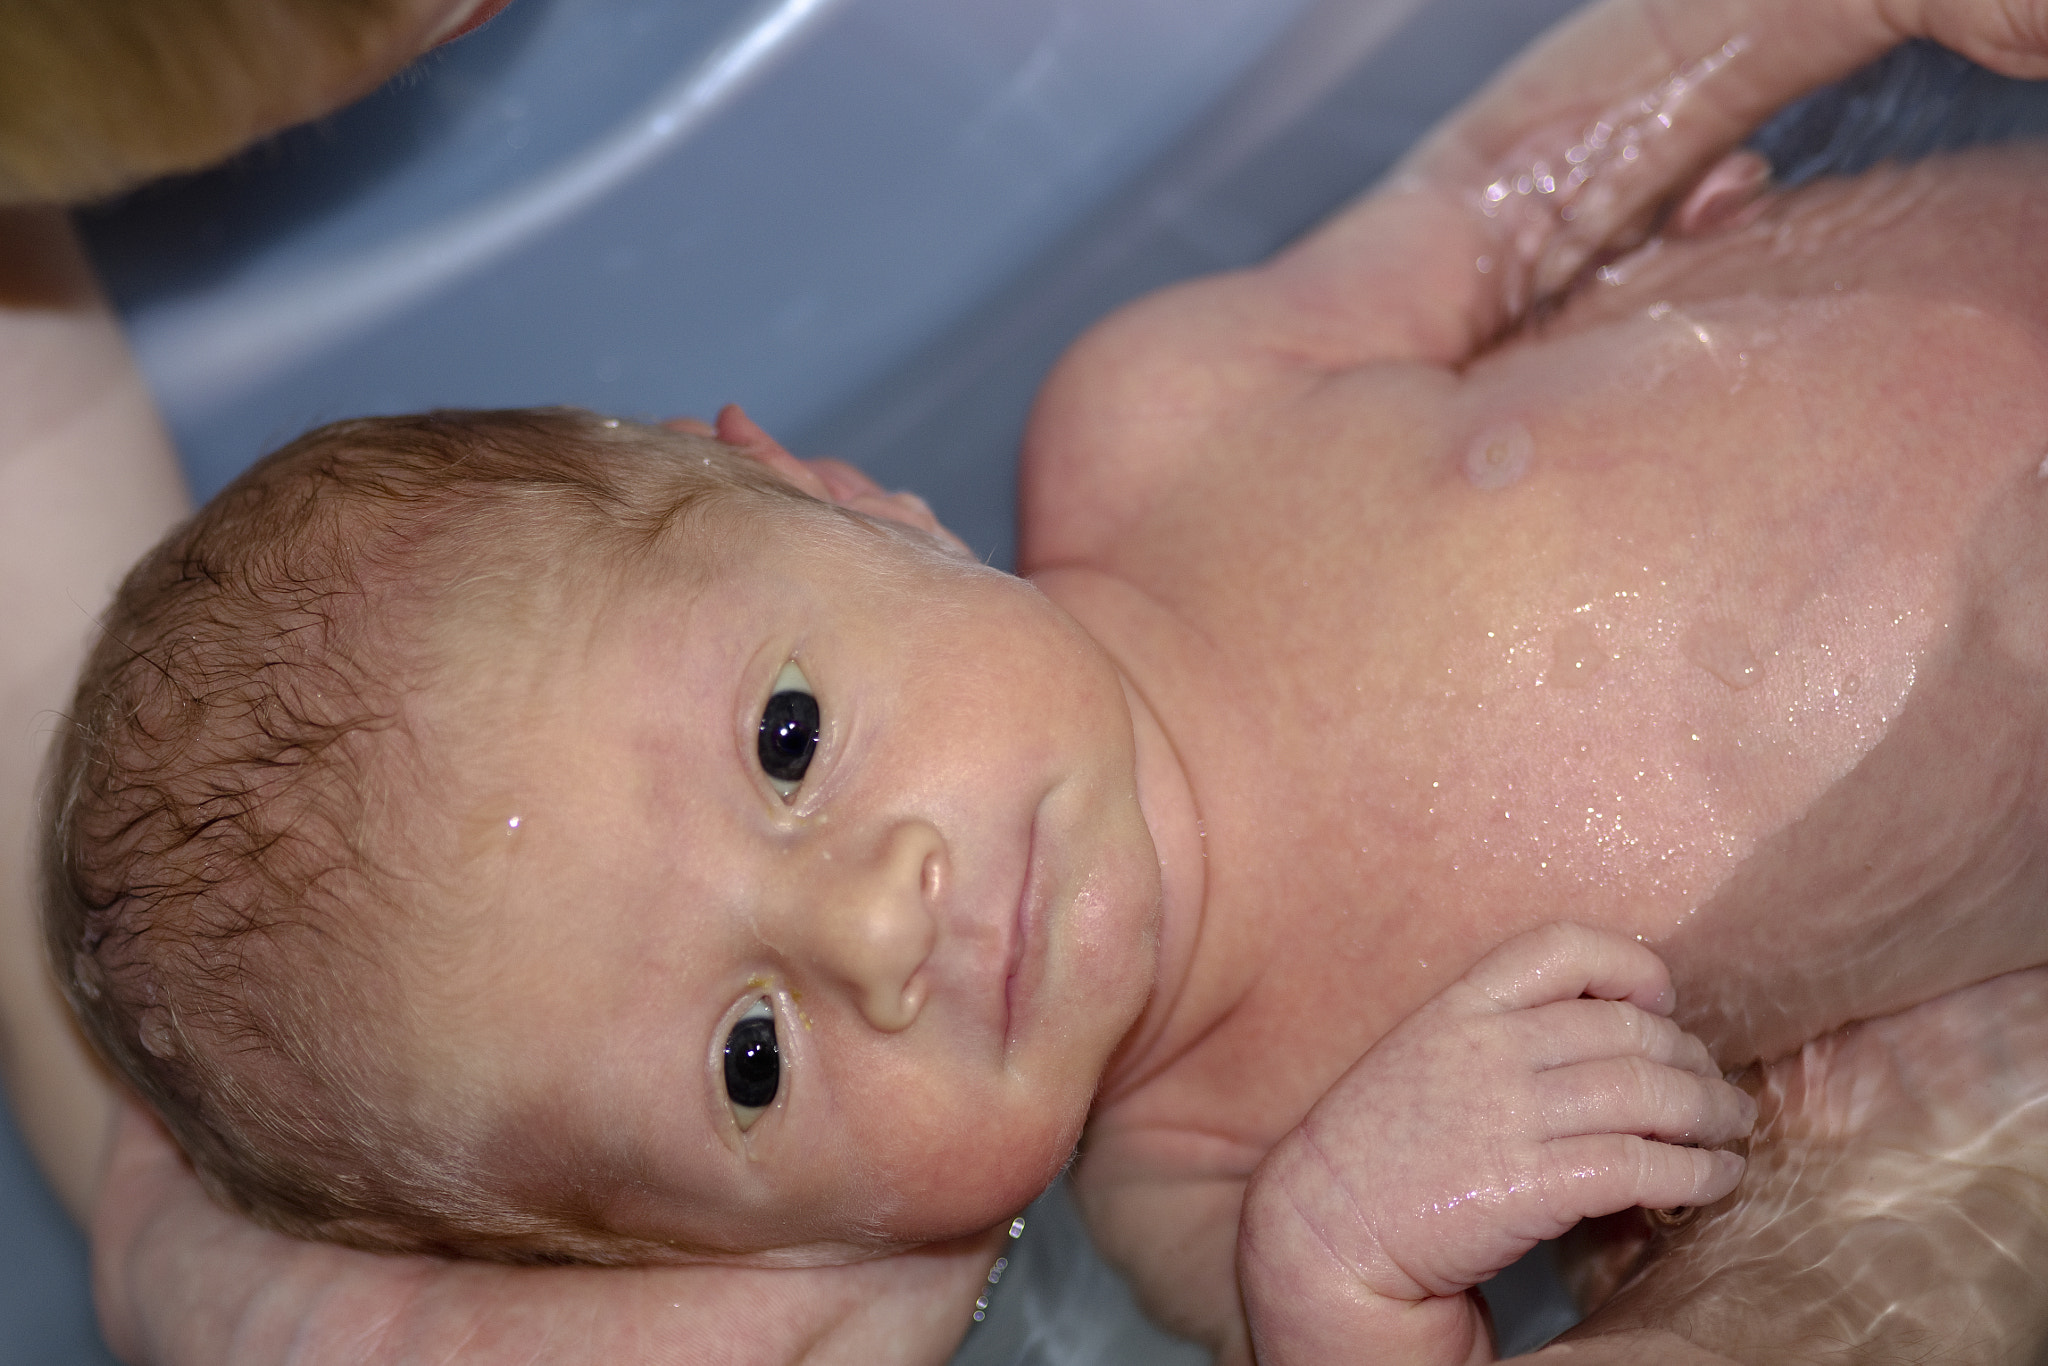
(537, 836)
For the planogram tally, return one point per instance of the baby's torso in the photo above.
(1713, 610)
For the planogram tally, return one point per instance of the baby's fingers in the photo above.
(1561, 961)
(1567, 1032)
(1598, 1174)
(1631, 1095)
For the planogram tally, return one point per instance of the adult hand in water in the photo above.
(1896, 1202)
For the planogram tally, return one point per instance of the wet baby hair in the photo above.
(219, 895)
(99, 95)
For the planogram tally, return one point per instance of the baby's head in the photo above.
(537, 836)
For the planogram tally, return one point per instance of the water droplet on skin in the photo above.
(1499, 455)
(491, 827)
(86, 973)
(1722, 649)
(1575, 656)
(156, 1035)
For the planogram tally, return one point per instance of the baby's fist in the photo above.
(1545, 1086)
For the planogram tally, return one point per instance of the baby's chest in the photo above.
(1642, 590)
(1635, 603)
(1710, 613)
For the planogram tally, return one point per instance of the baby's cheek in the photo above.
(935, 1156)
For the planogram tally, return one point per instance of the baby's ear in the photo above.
(851, 488)
(738, 430)
(833, 481)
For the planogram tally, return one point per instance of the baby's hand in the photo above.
(1501, 1113)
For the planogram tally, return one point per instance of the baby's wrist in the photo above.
(1304, 1223)
(1310, 1297)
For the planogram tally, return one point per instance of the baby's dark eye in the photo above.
(789, 730)
(753, 1064)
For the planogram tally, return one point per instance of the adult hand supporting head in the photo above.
(182, 1282)
(87, 483)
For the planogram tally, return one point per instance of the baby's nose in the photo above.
(875, 921)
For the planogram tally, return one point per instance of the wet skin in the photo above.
(951, 915)
(1707, 609)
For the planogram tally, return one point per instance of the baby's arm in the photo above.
(1498, 1115)
(87, 483)
(1573, 148)
(1487, 215)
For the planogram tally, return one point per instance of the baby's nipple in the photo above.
(1499, 455)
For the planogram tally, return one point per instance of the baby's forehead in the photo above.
(540, 663)
(515, 590)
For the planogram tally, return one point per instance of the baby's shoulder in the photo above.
(1140, 405)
